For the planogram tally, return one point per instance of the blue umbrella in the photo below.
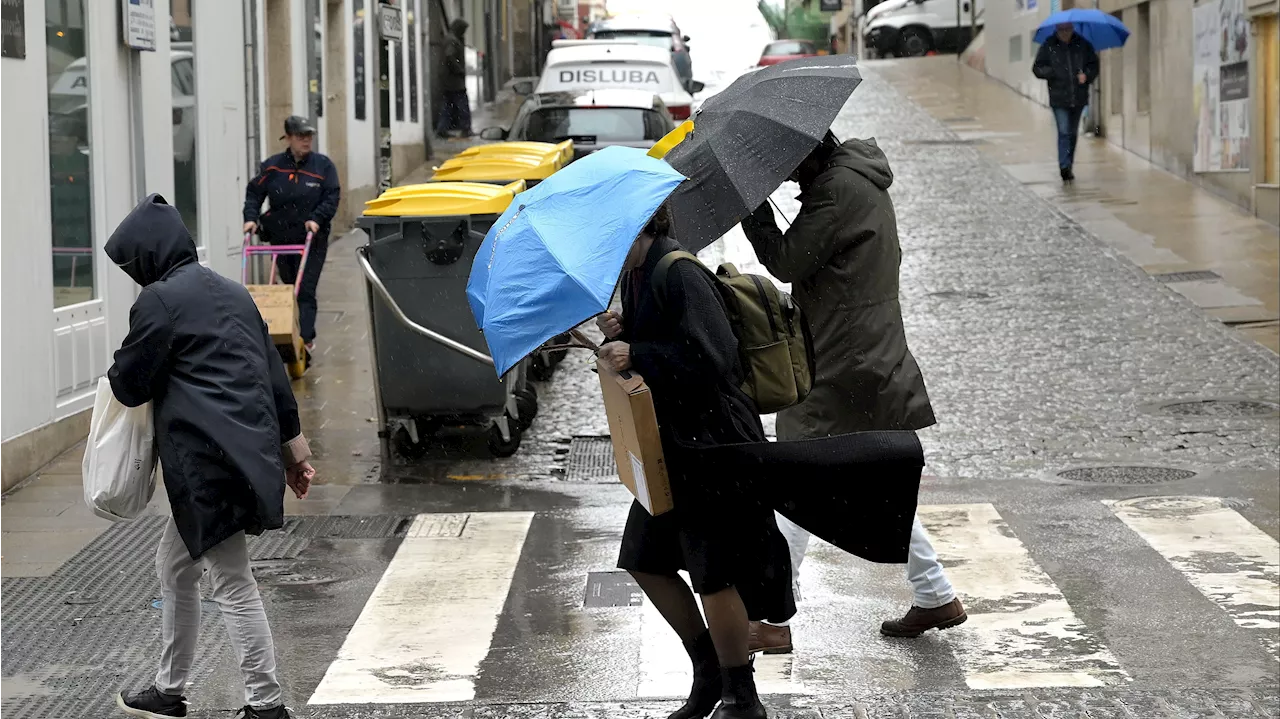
(1101, 30)
(554, 257)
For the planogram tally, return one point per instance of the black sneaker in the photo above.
(152, 704)
(279, 712)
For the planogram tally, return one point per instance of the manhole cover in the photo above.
(612, 589)
(298, 573)
(1222, 408)
(960, 295)
(1193, 276)
(1126, 475)
(590, 458)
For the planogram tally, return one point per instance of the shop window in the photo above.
(411, 36)
(1269, 78)
(1115, 77)
(1015, 48)
(399, 71)
(182, 72)
(70, 145)
(1142, 47)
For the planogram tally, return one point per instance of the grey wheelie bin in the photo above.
(431, 367)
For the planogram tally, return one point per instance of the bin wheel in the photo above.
(296, 369)
(407, 448)
(499, 447)
(527, 406)
(541, 369)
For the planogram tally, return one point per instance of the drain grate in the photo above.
(382, 526)
(1126, 475)
(960, 295)
(591, 458)
(959, 118)
(1222, 408)
(1192, 276)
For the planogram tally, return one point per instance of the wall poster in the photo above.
(1220, 70)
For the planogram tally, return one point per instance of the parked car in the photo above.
(657, 30)
(593, 119)
(614, 65)
(913, 28)
(783, 50)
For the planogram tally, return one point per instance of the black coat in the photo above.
(1060, 63)
(688, 355)
(454, 75)
(198, 350)
(299, 191)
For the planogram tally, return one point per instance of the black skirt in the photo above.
(733, 546)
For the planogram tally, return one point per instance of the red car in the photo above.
(783, 50)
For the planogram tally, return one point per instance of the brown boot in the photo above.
(918, 621)
(769, 639)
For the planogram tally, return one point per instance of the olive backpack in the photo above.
(773, 336)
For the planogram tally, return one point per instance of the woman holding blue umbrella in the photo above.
(1069, 63)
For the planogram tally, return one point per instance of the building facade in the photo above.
(1193, 90)
(91, 125)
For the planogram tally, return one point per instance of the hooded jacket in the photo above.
(842, 257)
(454, 78)
(198, 350)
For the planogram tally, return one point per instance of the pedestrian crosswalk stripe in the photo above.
(430, 620)
(665, 670)
(1021, 632)
(1222, 554)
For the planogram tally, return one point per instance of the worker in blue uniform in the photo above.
(303, 190)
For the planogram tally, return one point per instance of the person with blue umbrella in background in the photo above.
(552, 261)
(1068, 62)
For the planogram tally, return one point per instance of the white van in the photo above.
(911, 28)
(616, 64)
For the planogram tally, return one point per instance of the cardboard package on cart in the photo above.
(279, 309)
(637, 447)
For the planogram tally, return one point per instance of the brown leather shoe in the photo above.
(918, 621)
(769, 639)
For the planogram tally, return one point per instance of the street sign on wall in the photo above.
(390, 22)
(139, 20)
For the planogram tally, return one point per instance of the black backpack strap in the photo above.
(658, 281)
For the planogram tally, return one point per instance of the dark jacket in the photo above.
(841, 255)
(198, 350)
(299, 191)
(1060, 63)
(688, 355)
(454, 77)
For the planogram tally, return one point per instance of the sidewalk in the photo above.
(1160, 222)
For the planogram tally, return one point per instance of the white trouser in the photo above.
(236, 593)
(929, 585)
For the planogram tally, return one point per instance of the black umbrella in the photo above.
(750, 137)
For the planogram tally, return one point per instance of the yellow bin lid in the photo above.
(541, 149)
(497, 167)
(444, 199)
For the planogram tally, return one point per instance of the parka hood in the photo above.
(151, 241)
(865, 158)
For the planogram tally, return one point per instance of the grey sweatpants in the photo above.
(236, 593)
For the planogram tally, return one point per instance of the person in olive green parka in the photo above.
(841, 256)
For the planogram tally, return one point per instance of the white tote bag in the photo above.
(119, 457)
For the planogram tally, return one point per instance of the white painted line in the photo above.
(1021, 632)
(1220, 553)
(665, 670)
(430, 620)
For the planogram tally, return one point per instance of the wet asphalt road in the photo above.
(1043, 352)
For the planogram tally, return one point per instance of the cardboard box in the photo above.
(637, 447)
(279, 310)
